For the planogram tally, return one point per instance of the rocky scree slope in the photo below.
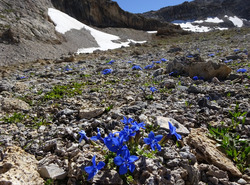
(202, 9)
(46, 104)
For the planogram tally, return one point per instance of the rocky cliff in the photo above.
(201, 9)
(106, 13)
(27, 32)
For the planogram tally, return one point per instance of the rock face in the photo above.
(27, 33)
(199, 9)
(106, 13)
(206, 150)
(19, 168)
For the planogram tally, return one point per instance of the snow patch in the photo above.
(151, 32)
(214, 20)
(236, 21)
(66, 23)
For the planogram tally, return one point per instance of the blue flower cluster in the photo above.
(198, 78)
(120, 143)
(107, 71)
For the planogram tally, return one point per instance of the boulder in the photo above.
(13, 104)
(19, 168)
(205, 69)
(206, 150)
(90, 113)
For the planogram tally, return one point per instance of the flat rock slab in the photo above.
(163, 123)
(52, 171)
(13, 104)
(90, 113)
(19, 168)
(206, 150)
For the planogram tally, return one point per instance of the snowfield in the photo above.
(191, 25)
(65, 23)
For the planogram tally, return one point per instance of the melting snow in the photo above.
(236, 21)
(66, 23)
(213, 20)
(151, 32)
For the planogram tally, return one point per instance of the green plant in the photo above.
(69, 90)
(48, 182)
(236, 115)
(107, 109)
(237, 148)
(15, 118)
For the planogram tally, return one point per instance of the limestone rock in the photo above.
(206, 150)
(19, 168)
(163, 123)
(207, 70)
(52, 171)
(13, 104)
(20, 87)
(90, 113)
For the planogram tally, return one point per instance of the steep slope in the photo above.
(200, 10)
(27, 32)
(106, 13)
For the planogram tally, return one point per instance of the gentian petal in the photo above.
(151, 135)
(158, 147)
(131, 167)
(147, 141)
(178, 136)
(89, 169)
(123, 169)
(158, 137)
(100, 165)
(94, 138)
(91, 175)
(133, 158)
(93, 161)
(118, 160)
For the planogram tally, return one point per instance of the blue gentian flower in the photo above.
(127, 133)
(20, 77)
(149, 66)
(173, 73)
(190, 56)
(92, 170)
(211, 55)
(195, 78)
(111, 62)
(173, 131)
(164, 60)
(127, 121)
(227, 61)
(136, 67)
(129, 62)
(97, 137)
(83, 136)
(125, 162)
(136, 126)
(153, 89)
(67, 68)
(156, 62)
(107, 71)
(236, 50)
(242, 70)
(153, 140)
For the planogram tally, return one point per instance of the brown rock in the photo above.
(207, 70)
(13, 104)
(90, 113)
(20, 87)
(19, 168)
(206, 150)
